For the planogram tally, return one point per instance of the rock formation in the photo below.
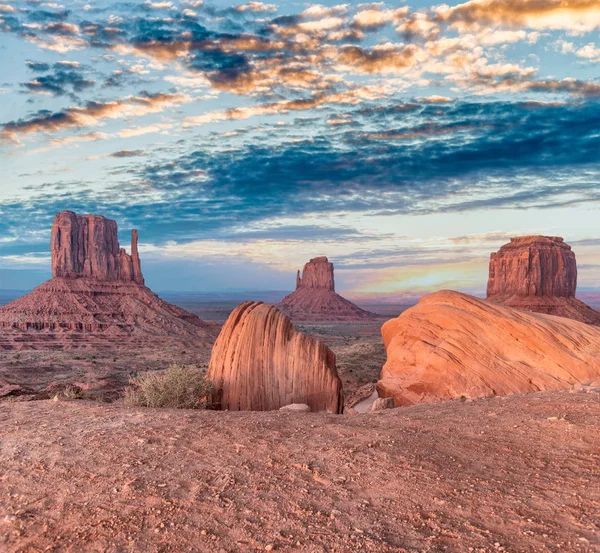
(451, 345)
(315, 298)
(87, 246)
(260, 362)
(539, 274)
(96, 297)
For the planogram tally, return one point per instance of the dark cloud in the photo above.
(500, 155)
(61, 79)
(128, 153)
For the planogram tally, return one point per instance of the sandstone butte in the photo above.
(451, 345)
(315, 298)
(260, 362)
(97, 297)
(539, 274)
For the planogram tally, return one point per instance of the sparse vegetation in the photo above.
(69, 392)
(178, 387)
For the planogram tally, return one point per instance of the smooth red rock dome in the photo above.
(451, 345)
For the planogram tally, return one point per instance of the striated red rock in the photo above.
(315, 298)
(96, 298)
(451, 345)
(539, 274)
(260, 362)
(88, 246)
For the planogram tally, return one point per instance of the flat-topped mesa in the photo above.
(539, 274)
(533, 266)
(317, 273)
(87, 246)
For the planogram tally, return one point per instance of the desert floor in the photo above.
(513, 474)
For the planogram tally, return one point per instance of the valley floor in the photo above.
(514, 474)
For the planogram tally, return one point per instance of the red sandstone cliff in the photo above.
(538, 273)
(315, 298)
(97, 297)
(88, 246)
(260, 362)
(451, 345)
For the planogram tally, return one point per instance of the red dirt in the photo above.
(514, 474)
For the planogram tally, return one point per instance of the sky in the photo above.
(405, 141)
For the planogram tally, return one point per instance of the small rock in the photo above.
(382, 403)
(296, 407)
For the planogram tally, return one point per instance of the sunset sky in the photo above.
(405, 141)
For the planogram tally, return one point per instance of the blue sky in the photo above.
(406, 141)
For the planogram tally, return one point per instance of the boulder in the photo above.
(539, 274)
(296, 408)
(382, 403)
(315, 298)
(260, 362)
(451, 345)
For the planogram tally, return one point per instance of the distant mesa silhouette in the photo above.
(539, 274)
(260, 362)
(96, 298)
(451, 345)
(315, 298)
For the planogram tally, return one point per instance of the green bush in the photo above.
(178, 387)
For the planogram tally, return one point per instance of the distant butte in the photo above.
(96, 298)
(538, 274)
(315, 298)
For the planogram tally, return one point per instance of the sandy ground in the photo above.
(515, 474)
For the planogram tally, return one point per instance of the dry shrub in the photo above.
(178, 387)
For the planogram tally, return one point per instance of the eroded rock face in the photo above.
(315, 298)
(451, 345)
(539, 274)
(317, 274)
(87, 246)
(97, 297)
(533, 266)
(260, 362)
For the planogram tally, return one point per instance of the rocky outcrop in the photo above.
(87, 246)
(317, 274)
(315, 298)
(97, 297)
(451, 345)
(260, 362)
(539, 274)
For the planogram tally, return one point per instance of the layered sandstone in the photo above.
(260, 362)
(96, 298)
(88, 246)
(451, 345)
(315, 298)
(539, 274)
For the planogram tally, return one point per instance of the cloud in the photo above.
(576, 15)
(91, 114)
(256, 7)
(128, 153)
(63, 78)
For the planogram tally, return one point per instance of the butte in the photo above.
(538, 274)
(315, 298)
(97, 297)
